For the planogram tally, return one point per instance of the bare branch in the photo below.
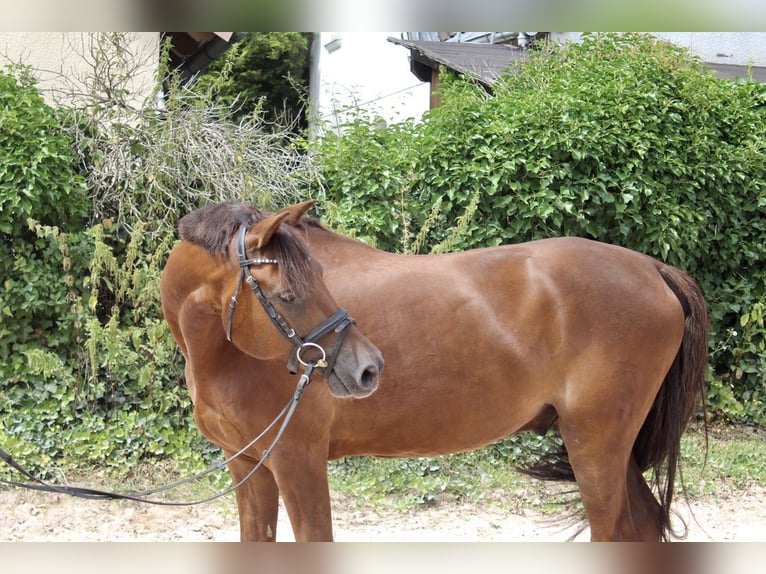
(151, 155)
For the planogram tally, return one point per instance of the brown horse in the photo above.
(606, 344)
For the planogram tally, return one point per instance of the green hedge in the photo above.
(621, 138)
(89, 373)
(38, 181)
(38, 170)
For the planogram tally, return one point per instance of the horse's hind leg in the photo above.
(645, 510)
(616, 504)
(257, 501)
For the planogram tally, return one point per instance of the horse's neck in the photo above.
(335, 249)
(191, 285)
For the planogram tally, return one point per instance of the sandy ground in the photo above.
(35, 516)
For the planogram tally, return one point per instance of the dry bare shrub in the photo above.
(157, 154)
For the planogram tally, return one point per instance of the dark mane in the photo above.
(213, 226)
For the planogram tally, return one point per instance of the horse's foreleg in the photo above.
(303, 485)
(257, 501)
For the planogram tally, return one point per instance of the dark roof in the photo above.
(484, 62)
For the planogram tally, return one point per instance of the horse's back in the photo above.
(574, 281)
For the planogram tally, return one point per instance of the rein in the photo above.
(338, 322)
(142, 496)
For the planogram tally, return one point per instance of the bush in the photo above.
(95, 379)
(155, 165)
(38, 181)
(622, 138)
(68, 370)
(38, 176)
(266, 73)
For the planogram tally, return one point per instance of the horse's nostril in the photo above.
(369, 376)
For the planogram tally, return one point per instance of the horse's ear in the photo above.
(260, 234)
(297, 211)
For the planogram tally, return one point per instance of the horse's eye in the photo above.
(287, 296)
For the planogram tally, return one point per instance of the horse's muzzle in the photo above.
(356, 375)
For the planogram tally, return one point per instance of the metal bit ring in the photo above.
(320, 363)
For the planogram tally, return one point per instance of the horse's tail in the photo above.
(658, 444)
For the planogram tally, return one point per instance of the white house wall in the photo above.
(735, 48)
(364, 72)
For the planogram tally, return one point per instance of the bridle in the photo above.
(338, 322)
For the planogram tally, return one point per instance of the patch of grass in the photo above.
(486, 475)
(142, 476)
(736, 458)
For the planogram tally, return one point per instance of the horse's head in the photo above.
(276, 305)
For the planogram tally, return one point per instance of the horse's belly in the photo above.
(443, 420)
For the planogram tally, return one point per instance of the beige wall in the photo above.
(63, 60)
